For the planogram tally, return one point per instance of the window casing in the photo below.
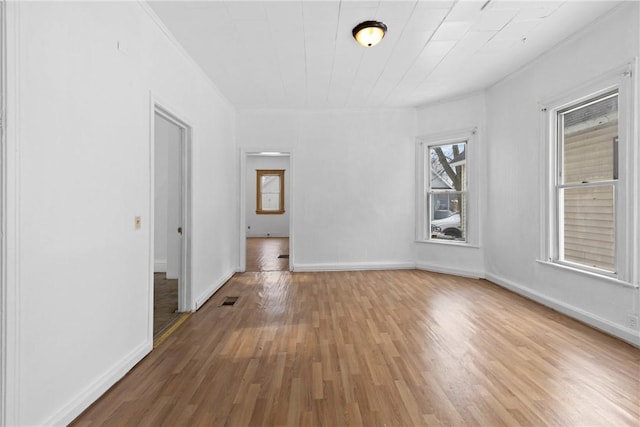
(591, 164)
(445, 204)
(270, 191)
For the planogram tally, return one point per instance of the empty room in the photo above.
(327, 213)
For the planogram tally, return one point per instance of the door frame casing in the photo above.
(185, 293)
(8, 313)
(242, 200)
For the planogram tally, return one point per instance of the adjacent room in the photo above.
(337, 212)
(267, 211)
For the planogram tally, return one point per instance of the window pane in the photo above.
(270, 190)
(270, 184)
(590, 135)
(589, 226)
(447, 171)
(270, 202)
(448, 216)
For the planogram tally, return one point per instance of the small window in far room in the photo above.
(269, 191)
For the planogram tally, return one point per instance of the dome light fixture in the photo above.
(369, 33)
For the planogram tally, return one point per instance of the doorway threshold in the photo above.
(164, 335)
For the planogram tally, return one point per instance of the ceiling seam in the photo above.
(306, 71)
(333, 59)
(415, 5)
(275, 51)
(358, 68)
(423, 47)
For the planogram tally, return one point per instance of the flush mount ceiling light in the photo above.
(369, 33)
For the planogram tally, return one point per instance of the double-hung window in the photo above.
(443, 205)
(591, 190)
(270, 191)
(587, 181)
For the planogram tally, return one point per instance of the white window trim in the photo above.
(626, 215)
(470, 136)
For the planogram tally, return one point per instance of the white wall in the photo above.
(515, 151)
(263, 225)
(78, 141)
(78, 172)
(352, 183)
(440, 119)
(167, 140)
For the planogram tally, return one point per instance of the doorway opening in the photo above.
(266, 207)
(171, 207)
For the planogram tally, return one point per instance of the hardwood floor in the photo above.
(165, 303)
(263, 253)
(376, 348)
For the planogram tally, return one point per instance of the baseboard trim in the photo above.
(160, 266)
(354, 266)
(447, 270)
(212, 290)
(97, 388)
(626, 334)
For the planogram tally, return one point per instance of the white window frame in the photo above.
(423, 221)
(620, 80)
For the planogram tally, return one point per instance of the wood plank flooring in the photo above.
(165, 303)
(263, 253)
(385, 348)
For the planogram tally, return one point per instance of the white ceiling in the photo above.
(300, 54)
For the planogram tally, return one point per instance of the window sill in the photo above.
(589, 274)
(449, 243)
